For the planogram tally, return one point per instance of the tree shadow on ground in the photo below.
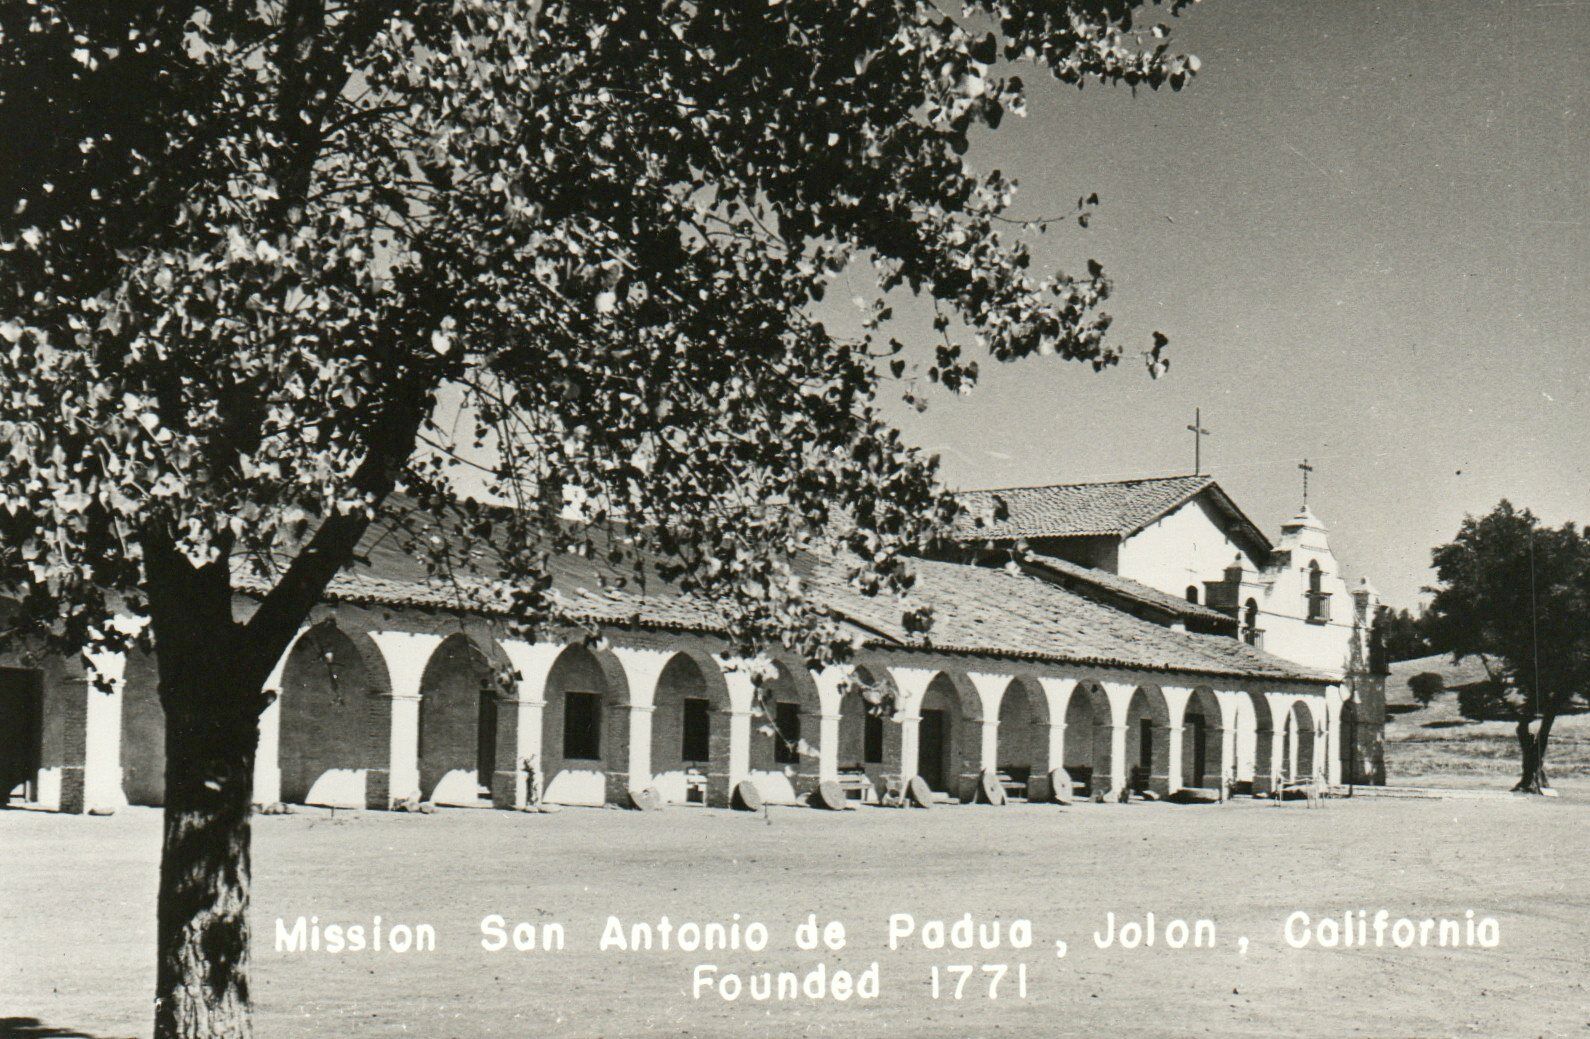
(33, 1028)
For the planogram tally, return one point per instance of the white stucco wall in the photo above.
(1186, 547)
(1192, 545)
(1283, 610)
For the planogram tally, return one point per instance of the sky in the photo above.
(1363, 227)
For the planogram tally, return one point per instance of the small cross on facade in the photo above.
(1199, 432)
(1306, 470)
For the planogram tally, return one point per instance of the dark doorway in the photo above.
(1347, 750)
(787, 737)
(695, 743)
(486, 737)
(1145, 743)
(1196, 732)
(582, 726)
(932, 743)
(21, 720)
(872, 739)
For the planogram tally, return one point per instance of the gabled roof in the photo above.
(1116, 508)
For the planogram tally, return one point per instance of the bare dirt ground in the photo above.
(77, 907)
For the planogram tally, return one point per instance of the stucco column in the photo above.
(268, 755)
(521, 719)
(1230, 751)
(1333, 735)
(991, 691)
(640, 745)
(989, 757)
(720, 793)
(102, 791)
(911, 684)
(910, 751)
(731, 758)
(1114, 738)
(1176, 699)
(827, 747)
(1173, 765)
(642, 670)
(406, 653)
(1321, 750)
(403, 757)
(829, 682)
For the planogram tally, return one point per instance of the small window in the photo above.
(582, 726)
(872, 739)
(1319, 601)
(1250, 624)
(787, 738)
(696, 742)
(1192, 594)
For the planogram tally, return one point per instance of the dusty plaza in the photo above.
(85, 969)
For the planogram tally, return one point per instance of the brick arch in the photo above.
(1301, 728)
(1022, 751)
(858, 715)
(578, 752)
(460, 690)
(786, 727)
(1089, 718)
(954, 765)
(335, 717)
(1265, 767)
(690, 726)
(1148, 739)
(1203, 743)
(43, 705)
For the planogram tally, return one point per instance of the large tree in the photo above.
(1516, 594)
(247, 250)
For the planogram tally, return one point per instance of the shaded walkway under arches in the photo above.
(329, 686)
(1088, 753)
(460, 693)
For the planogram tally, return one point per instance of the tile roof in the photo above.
(977, 610)
(1127, 588)
(1119, 508)
(988, 611)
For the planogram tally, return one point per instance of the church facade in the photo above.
(1179, 550)
(1150, 639)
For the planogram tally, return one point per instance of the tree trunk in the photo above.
(1532, 746)
(201, 987)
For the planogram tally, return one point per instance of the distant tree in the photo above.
(1402, 635)
(245, 246)
(1516, 595)
(1426, 686)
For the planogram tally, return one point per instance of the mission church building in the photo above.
(1150, 638)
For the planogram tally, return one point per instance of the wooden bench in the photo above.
(1311, 789)
(858, 785)
(695, 787)
(1014, 779)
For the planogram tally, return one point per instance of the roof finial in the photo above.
(1306, 470)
